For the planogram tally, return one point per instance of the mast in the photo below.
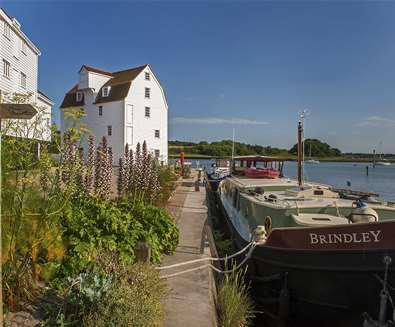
(300, 149)
(233, 144)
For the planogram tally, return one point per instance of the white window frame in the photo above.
(147, 110)
(147, 76)
(23, 80)
(6, 69)
(109, 130)
(157, 153)
(78, 96)
(7, 30)
(157, 134)
(147, 93)
(106, 91)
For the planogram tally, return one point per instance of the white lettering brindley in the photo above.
(364, 237)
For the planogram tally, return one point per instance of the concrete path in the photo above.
(190, 301)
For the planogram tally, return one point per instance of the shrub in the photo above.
(92, 224)
(110, 294)
(134, 301)
(234, 303)
(159, 229)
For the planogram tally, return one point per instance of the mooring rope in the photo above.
(252, 246)
(206, 259)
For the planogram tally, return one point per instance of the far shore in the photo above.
(285, 158)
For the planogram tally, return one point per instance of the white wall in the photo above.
(26, 62)
(143, 127)
(115, 115)
(91, 80)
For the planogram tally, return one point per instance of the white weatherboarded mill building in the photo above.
(19, 75)
(128, 107)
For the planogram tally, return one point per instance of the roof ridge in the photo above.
(133, 68)
(95, 70)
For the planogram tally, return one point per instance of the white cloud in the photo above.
(217, 121)
(376, 121)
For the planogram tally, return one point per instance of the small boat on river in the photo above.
(331, 251)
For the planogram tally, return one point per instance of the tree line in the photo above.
(223, 148)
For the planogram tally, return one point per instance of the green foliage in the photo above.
(234, 303)
(167, 178)
(318, 149)
(158, 228)
(222, 148)
(135, 301)
(186, 171)
(92, 224)
(111, 294)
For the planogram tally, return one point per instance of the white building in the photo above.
(128, 107)
(19, 73)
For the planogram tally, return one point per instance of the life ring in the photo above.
(268, 225)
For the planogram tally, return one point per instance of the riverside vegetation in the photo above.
(68, 240)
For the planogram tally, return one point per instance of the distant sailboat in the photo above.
(382, 161)
(312, 161)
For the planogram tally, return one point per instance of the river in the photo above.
(381, 179)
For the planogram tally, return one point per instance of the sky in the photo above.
(251, 66)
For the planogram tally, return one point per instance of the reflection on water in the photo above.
(381, 179)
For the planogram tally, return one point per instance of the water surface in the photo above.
(381, 179)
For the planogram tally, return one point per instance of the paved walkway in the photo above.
(189, 302)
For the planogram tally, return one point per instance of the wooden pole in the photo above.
(300, 149)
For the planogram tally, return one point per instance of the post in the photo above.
(300, 149)
(142, 252)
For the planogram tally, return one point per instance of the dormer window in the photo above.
(78, 96)
(106, 91)
(147, 76)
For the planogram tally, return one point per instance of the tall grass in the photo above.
(235, 306)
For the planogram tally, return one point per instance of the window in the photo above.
(157, 133)
(147, 76)
(49, 122)
(147, 112)
(147, 92)
(23, 80)
(100, 110)
(7, 30)
(109, 130)
(78, 96)
(157, 154)
(106, 91)
(6, 68)
(23, 46)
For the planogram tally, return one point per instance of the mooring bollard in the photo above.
(142, 252)
(197, 185)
